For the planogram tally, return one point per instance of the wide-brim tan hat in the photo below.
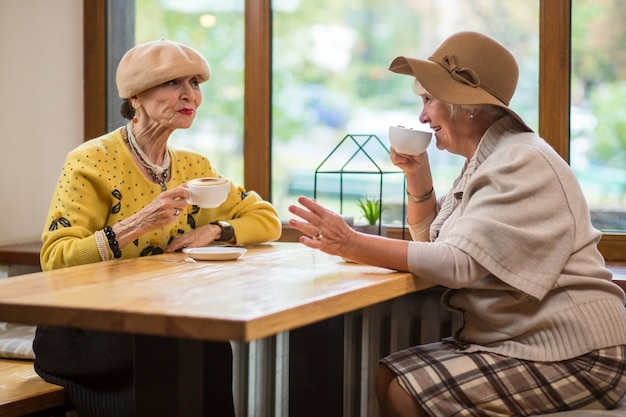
(153, 63)
(467, 68)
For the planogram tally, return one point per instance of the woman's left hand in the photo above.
(323, 229)
(201, 236)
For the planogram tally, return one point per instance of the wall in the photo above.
(41, 110)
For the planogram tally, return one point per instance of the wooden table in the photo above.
(168, 303)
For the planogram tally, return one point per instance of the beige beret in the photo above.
(152, 63)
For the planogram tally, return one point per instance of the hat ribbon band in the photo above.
(462, 75)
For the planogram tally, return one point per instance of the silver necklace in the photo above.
(154, 169)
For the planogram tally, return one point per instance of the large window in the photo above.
(325, 64)
(330, 79)
(598, 118)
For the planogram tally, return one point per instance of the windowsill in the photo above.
(20, 254)
(619, 272)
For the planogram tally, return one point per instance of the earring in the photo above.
(134, 119)
(471, 116)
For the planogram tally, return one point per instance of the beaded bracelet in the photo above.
(422, 198)
(115, 247)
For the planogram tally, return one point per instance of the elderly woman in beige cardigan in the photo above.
(543, 327)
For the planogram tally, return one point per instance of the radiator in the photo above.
(261, 368)
(384, 328)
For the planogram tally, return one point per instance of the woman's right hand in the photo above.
(410, 164)
(165, 209)
(419, 179)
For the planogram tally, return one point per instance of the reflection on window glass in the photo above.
(215, 29)
(598, 115)
(330, 79)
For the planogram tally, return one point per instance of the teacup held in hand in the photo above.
(208, 192)
(409, 141)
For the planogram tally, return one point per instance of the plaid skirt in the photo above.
(452, 384)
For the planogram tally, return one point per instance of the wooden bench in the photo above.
(24, 393)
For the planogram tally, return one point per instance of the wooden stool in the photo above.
(24, 393)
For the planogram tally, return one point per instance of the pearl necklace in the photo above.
(154, 169)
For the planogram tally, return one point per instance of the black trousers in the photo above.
(96, 370)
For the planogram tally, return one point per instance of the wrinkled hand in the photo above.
(410, 164)
(323, 229)
(165, 209)
(201, 236)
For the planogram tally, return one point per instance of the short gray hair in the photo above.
(488, 111)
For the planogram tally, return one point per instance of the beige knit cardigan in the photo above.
(518, 210)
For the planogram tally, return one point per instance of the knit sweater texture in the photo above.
(100, 185)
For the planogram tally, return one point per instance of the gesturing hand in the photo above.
(323, 228)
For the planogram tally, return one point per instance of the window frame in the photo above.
(102, 47)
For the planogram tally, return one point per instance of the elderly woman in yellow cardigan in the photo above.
(123, 195)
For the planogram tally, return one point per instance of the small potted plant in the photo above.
(371, 211)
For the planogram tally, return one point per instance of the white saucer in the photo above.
(215, 253)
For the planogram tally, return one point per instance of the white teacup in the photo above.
(208, 192)
(409, 141)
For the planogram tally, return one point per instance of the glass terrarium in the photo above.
(358, 180)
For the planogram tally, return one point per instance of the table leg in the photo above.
(261, 382)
